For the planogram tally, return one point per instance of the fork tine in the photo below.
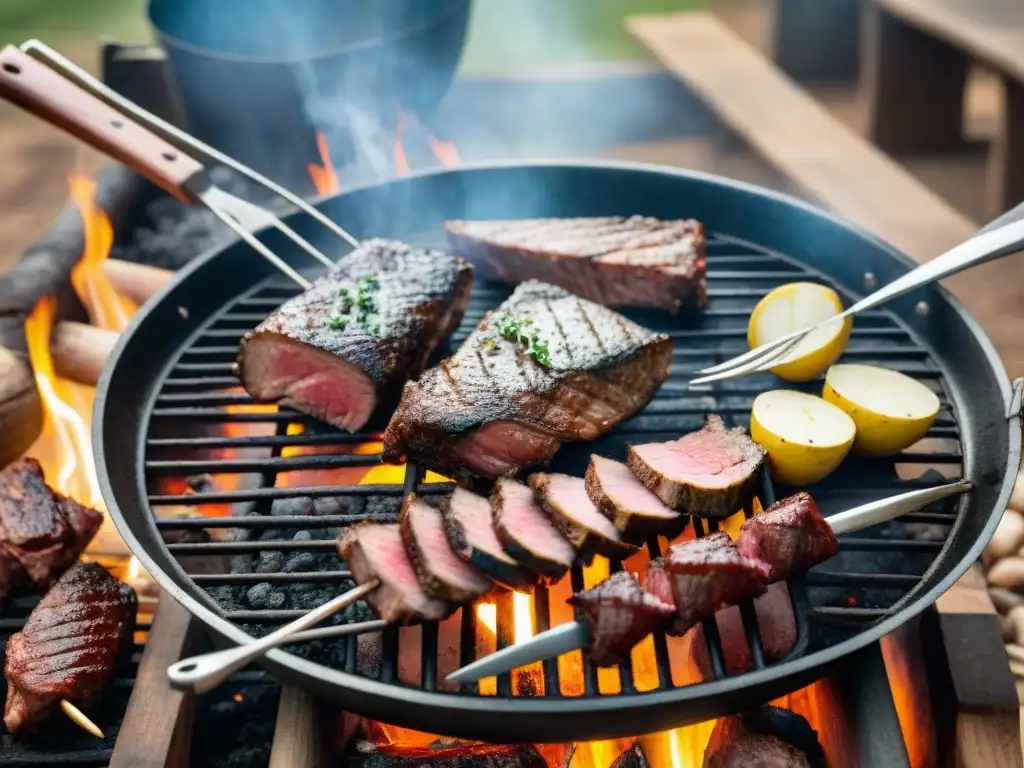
(751, 355)
(169, 133)
(303, 243)
(259, 247)
(763, 362)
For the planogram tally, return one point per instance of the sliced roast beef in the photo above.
(634, 510)
(615, 261)
(709, 473)
(709, 574)
(788, 537)
(442, 574)
(358, 334)
(620, 613)
(375, 551)
(469, 526)
(545, 367)
(526, 533)
(567, 505)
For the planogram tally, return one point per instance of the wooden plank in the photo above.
(913, 87)
(157, 727)
(784, 124)
(991, 31)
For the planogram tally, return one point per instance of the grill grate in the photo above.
(875, 573)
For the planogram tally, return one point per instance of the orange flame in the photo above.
(325, 178)
(401, 162)
(445, 151)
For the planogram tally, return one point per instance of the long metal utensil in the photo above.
(987, 246)
(204, 673)
(36, 88)
(576, 635)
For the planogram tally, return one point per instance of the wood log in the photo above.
(157, 727)
(80, 351)
(21, 412)
(138, 282)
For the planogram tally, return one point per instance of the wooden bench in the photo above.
(842, 171)
(915, 61)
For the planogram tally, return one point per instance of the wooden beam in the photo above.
(784, 124)
(157, 727)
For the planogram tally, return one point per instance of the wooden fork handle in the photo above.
(38, 89)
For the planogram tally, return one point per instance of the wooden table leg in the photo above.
(298, 741)
(157, 728)
(1005, 177)
(913, 87)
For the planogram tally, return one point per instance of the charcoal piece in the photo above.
(633, 757)
(271, 561)
(339, 505)
(259, 595)
(247, 713)
(304, 536)
(382, 509)
(276, 600)
(292, 507)
(302, 562)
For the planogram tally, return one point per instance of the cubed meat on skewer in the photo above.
(567, 505)
(709, 473)
(70, 646)
(442, 574)
(526, 533)
(620, 613)
(633, 509)
(375, 551)
(469, 526)
(789, 537)
(659, 583)
(358, 334)
(709, 574)
(41, 532)
(616, 261)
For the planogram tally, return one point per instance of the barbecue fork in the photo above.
(576, 635)
(46, 84)
(1003, 236)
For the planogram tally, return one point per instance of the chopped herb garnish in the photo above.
(514, 329)
(337, 322)
(539, 352)
(364, 300)
(343, 292)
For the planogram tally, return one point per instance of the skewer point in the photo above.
(79, 718)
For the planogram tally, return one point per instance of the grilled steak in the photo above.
(375, 551)
(620, 613)
(526, 533)
(458, 755)
(709, 473)
(633, 509)
(618, 262)
(565, 501)
(442, 574)
(766, 737)
(659, 584)
(469, 525)
(776, 624)
(709, 574)
(70, 647)
(41, 532)
(544, 367)
(788, 537)
(358, 334)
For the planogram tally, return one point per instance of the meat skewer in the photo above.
(578, 635)
(69, 649)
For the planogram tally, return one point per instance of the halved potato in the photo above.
(891, 410)
(806, 438)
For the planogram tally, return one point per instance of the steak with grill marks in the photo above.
(788, 537)
(375, 551)
(41, 532)
(620, 613)
(571, 370)
(70, 647)
(708, 473)
(615, 261)
(356, 336)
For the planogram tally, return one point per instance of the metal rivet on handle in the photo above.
(14, 69)
(922, 308)
(870, 281)
(170, 156)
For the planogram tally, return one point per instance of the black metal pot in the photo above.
(257, 78)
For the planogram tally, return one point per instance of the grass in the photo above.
(505, 35)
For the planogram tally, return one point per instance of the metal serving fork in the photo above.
(1003, 236)
(45, 83)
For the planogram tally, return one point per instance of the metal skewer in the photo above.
(576, 635)
(205, 672)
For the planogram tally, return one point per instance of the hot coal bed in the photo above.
(154, 229)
